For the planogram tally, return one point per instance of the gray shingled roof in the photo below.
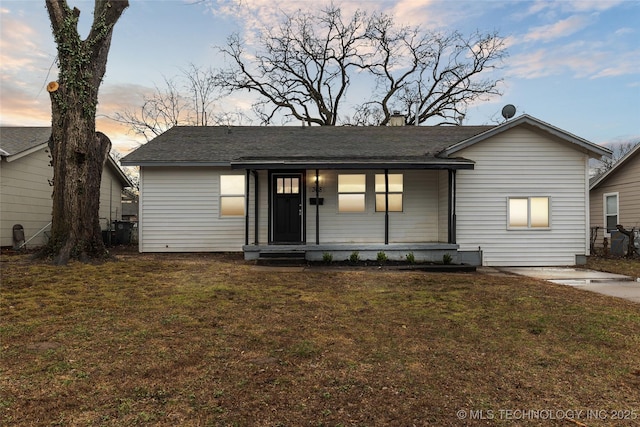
(224, 145)
(15, 140)
(18, 139)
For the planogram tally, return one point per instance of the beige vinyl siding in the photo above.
(110, 198)
(180, 211)
(443, 206)
(26, 196)
(523, 163)
(626, 182)
(417, 223)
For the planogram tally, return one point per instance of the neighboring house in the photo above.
(512, 194)
(615, 197)
(25, 185)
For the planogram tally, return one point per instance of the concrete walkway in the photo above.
(611, 284)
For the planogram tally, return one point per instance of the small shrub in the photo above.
(382, 257)
(446, 259)
(411, 259)
(327, 258)
(354, 257)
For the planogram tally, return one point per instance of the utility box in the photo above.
(619, 243)
(122, 232)
(18, 236)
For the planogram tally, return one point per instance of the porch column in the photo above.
(386, 206)
(317, 207)
(256, 195)
(246, 207)
(452, 206)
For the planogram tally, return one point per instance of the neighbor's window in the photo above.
(528, 212)
(395, 192)
(232, 195)
(351, 190)
(611, 211)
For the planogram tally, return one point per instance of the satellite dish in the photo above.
(508, 111)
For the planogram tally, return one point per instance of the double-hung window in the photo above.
(395, 192)
(232, 189)
(611, 211)
(351, 191)
(528, 213)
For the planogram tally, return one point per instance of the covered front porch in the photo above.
(319, 210)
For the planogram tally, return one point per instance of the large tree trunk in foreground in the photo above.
(78, 152)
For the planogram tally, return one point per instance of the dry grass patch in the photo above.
(210, 340)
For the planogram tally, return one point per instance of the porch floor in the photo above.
(422, 252)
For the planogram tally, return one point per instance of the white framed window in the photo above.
(351, 193)
(232, 189)
(396, 188)
(528, 213)
(610, 203)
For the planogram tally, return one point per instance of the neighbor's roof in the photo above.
(635, 151)
(18, 141)
(294, 146)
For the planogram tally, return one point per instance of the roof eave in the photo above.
(172, 163)
(21, 154)
(382, 164)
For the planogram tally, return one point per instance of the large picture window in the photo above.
(396, 187)
(232, 188)
(351, 191)
(528, 212)
(611, 211)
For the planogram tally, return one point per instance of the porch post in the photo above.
(317, 207)
(246, 208)
(452, 206)
(386, 206)
(256, 207)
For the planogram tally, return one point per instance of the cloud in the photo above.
(563, 28)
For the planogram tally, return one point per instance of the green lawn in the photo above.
(209, 340)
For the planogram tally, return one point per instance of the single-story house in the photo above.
(510, 194)
(615, 197)
(25, 185)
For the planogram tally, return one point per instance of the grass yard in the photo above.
(209, 340)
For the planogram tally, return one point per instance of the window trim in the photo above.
(528, 227)
(363, 193)
(383, 192)
(222, 196)
(604, 211)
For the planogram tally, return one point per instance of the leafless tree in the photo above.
(305, 66)
(78, 151)
(619, 151)
(187, 99)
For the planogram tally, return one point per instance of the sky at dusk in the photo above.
(573, 64)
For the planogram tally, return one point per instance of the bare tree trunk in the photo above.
(79, 153)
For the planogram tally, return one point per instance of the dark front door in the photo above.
(287, 208)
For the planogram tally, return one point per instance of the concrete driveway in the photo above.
(611, 284)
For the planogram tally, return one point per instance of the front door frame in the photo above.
(273, 175)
